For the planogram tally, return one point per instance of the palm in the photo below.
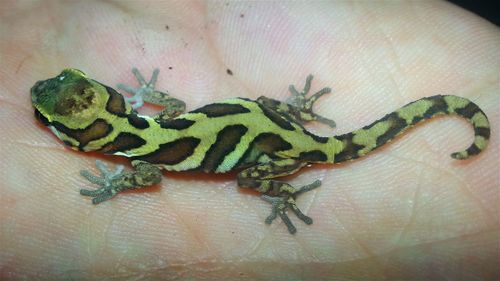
(385, 207)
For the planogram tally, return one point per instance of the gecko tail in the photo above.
(359, 142)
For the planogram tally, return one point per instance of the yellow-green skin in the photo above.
(264, 138)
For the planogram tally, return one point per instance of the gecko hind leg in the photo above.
(298, 107)
(147, 93)
(281, 195)
(281, 203)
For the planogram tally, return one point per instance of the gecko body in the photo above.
(264, 139)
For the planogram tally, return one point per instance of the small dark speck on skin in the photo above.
(170, 67)
(242, 15)
(167, 27)
(229, 71)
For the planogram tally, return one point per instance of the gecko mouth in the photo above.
(39, 116)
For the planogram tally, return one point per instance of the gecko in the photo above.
(262, 139)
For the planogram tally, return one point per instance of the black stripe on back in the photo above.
(176, 124)
(221, 109)
(270, 143)
(276, 118)
(319, 139)
(225, 143)
(265, 143)
(137, 122)
(172, 153)
(123, 142)
(98, 129)
(116, 103)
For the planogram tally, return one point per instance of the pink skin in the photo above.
(406, 211)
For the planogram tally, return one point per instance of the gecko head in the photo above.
(76, 106)
(67, 98)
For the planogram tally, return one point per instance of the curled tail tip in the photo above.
(479, 145)
(462, 155)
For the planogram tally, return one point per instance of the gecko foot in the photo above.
(146, 92)
(299, 100)
(145, 88)
(281, 203)
(108, 188)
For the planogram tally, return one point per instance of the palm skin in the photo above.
(407, 211)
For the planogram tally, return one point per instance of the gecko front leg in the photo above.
(114, 182)
(147, 93)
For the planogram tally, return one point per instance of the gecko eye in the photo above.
(41, 118)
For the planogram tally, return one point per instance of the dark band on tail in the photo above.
(369, 138)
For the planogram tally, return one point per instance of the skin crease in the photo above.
(407, 211)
